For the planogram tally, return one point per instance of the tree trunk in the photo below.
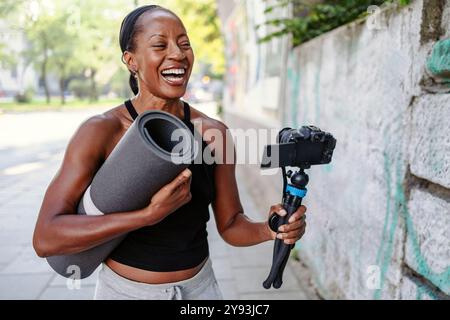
(93, 96)
(61, 88)
(44, 70)
(44, 79)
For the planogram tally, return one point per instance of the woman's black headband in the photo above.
(127, 27)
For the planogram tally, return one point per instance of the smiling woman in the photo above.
(165, 254)
(164, 32)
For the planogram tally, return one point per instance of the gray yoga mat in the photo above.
(153, 151)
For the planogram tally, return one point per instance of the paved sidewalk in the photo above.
(26, 168)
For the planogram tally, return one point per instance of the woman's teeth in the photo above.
(174, 76)
(173, 73)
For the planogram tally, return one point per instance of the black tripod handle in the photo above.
(281, 250)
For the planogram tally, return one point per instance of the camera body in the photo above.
(301, 148)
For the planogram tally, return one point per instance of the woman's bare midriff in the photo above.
(152, 277)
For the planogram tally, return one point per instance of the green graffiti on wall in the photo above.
(442, 280)
(438, 63)
(396, 208)
(390, 224)
(422, 290)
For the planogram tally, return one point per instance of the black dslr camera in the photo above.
(300, 148)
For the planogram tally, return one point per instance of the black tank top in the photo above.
(179, 241)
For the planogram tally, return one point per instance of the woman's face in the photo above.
(163, 54)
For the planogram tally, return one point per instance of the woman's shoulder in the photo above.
(215, 133)
(99, 132)
(206, 121)
(104, 123)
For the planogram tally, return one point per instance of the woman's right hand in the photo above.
(170, 197)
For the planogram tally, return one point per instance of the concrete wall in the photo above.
(379, 215)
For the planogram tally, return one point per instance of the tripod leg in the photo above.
(276, 252)
(279, 279)
(280, 255)
(274, 268)
(267, 284)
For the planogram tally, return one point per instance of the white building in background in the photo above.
(20, 75)
(254, 71)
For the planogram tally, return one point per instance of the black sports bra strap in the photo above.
(134, 114)
(131, 109)
(187, 112)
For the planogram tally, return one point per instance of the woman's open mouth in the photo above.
(174, 76)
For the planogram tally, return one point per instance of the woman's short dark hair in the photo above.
(128, 31)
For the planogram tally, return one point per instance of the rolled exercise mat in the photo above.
(151, 153)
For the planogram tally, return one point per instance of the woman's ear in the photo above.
(130, 61)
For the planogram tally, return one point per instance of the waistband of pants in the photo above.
(200, 279)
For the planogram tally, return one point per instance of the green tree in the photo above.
(78, 39)
(6, 59)
(50, 45)
(40, 36)
(74, 40)
(98, 51)
(202, 23)
(64, 62)
(8, 8)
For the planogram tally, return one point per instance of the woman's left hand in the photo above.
(294, 229)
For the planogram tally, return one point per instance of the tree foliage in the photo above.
(202, 24)
(78, 39)
(313, 18)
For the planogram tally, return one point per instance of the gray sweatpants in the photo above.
(202, 286)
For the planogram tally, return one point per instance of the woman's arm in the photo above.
(233, 225)
(59, 230)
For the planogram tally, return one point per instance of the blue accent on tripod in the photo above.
(296, 191)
